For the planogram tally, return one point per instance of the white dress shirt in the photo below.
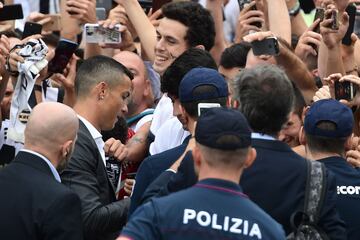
(96, 135)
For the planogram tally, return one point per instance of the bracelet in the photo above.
(295, 10)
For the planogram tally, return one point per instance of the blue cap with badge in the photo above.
(202, 76)
(329, 110)
(223, 129)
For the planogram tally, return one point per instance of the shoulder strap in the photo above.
(140, 115)
(315, 190)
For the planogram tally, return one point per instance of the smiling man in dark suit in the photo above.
(103, 87)
(33, 203)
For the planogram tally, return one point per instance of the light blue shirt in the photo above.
(52, 168)
(262, 136)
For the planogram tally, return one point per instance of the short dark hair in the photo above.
(192, 107)
(201, 27)
(326, 144)
(235, 55)
(98, 69)
(191, 58)
(266, 97)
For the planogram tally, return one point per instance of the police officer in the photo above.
(215, 207)
(326, 134)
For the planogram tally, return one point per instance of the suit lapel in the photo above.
(83, 129)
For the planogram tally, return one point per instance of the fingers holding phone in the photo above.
(250, 20)
(309, 42)
(82, 10)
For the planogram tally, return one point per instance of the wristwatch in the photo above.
(295, 10)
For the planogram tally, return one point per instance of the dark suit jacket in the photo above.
(276, 182)
(33, 205)
(103, 216)
(151, 168)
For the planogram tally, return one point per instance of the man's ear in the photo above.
(197, 157)
(202, 47)
(302, 138)
(66, 148)
(101, 89)
(250, 158)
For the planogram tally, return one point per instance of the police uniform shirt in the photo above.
(212, 209)
(348, 193)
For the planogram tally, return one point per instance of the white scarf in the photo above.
(33, 52)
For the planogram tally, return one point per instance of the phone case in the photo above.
(93, 33)
(344, 90)
(268, 46)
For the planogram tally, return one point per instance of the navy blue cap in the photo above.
(224, 129)
(332, 111)
(202, 76)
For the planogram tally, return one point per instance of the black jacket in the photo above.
(33, 205)
(103, 216)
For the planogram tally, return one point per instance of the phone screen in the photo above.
(351, 11)
(11, 12)
(344, 90)
(267, 46)
(31, 28)
(63, 53)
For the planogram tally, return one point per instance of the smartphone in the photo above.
(242, 3)
(131, 175)
(334, 17)
(11, 12)
(63, 53)
(253, 8)
(203, 107)
(351, 11)
(54, 24)
(106, 4)
(100, 14)
(344, 90)
(319, 14)
(268, 46)
(31, 28)
(93, 33)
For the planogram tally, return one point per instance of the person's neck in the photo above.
(53, 158)
(313, 155)
(82, 109)
(223, 174)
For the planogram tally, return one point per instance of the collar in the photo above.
(334, 160)
(96, 135)
(52, 168)
(221, 185)
(261, 136)
(93, 131)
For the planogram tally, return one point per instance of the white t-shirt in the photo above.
(162, 113)
(232, 12)
(171, 134)
(143, 120)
